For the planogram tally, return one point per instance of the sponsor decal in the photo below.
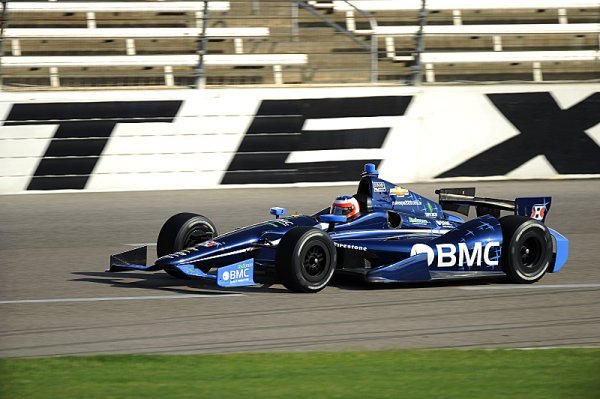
(431, 211)
(379, 187)
(417, 221)
(408, 203)
(281, 223)
(189, 250)
(236, 275)
(276, 132)
(210, 244)
(538, 211)
(183, 252)
(399, 191)
(192, 271)
(350, 246)
(450, 255)
(445, 223)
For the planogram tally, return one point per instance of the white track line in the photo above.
(541, 348)
(142, 244)
(118, 298)
(527, 287)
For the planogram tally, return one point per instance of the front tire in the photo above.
(526, 249)
(182, 231)
(306, 259)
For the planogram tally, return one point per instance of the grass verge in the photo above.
(560, 373)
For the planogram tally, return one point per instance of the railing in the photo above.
(419, 45)
(338, 42)
(200, 71)
(3, 20)
(372, 48)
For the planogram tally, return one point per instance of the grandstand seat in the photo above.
(464, 31)
(464, 40)
(562, 32)
(515, 58)
(65, 40)
(166, 61)
(129, 34)
(115, 6)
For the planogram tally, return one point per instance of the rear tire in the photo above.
(526, 249)
(306, 259)
(182, 231)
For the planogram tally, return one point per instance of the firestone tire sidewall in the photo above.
(318, 282)
(175, 233)
(291, 265)
(192, 225)
(177, 229)
(538, 236)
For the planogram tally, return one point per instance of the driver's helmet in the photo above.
(345, 205)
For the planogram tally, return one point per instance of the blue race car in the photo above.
(383, 233)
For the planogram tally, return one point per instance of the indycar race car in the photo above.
(383, 233)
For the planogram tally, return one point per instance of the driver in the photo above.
(345, 205)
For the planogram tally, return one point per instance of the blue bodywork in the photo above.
(399, 236)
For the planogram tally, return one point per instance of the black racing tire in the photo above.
(182, 231)
(306, 259)
(526, 249)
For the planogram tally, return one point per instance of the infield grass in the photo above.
(564, 373)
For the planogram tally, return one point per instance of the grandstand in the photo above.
(81, 44)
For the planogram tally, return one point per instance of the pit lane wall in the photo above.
(192, 139)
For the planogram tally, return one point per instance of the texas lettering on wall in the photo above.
(277, 131)
(545, 129)
(322, 139)
(83, 131)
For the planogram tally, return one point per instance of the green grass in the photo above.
(569, 373)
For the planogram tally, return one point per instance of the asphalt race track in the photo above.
(56, 299)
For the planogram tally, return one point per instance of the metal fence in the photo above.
(189, 44)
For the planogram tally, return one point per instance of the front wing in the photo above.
(235, 275)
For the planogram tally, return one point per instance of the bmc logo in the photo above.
(450, 255)
(236, 274)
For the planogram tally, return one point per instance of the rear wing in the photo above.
(461, 199)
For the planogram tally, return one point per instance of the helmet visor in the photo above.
(341, 209)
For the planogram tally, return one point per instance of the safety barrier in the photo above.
(174, 139)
